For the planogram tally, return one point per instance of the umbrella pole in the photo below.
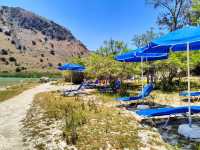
(142, 76)
(188, 70)
(71, 81)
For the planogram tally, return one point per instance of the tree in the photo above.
(120, 46)
(195, 13)
(175, 68)
(101, 64)
(167, 70)
(143, 39)
(105, 67)
(174, 14)
(111, 47)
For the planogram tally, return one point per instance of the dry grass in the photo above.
(93, 122)
(172, 99)
(15, 90)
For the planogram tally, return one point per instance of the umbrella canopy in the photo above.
(176, 41)
(138, 55)
(72, 67)
(185, 39)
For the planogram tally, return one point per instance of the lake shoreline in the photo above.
(31, 74)
(6, 82)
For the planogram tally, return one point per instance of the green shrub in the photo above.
(12, 59)
(196, 147)
(76, 77)
(123, 91)
(176, 86)
(75, 116)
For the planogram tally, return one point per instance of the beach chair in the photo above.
(73, 91)
(91, 85)
(105, 89)
(146, 92)
(193, 94)
(166, 112)
(111, 89)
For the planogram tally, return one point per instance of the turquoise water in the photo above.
(6, 81)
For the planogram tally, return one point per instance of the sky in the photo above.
(94, 21)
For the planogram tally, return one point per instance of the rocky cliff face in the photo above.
(29, 42)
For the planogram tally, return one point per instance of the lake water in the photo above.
(6, 81)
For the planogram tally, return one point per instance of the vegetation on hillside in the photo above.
(31, 43)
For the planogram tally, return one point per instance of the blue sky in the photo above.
(93, 21)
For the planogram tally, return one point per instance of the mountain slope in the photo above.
(29, 42)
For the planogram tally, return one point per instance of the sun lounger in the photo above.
(164, 113)
(146, 91)
(105, 89)
(167, 111)
(193, 93)
(80, 86)
(90, 85)
(73, 91)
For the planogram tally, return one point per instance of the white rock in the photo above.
(189, 132)
(142, 107)
(144, 137)
(62, 145)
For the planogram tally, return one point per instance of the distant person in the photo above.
(96, 81)
(117, 85)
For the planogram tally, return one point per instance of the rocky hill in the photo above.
(29, 42)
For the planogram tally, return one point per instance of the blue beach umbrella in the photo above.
(185, 39)
(72, 67)
(138, 55)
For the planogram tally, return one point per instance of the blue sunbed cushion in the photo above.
(167, 111)
(128, 98)
(193, 93)
(195, 109)
(146, 91)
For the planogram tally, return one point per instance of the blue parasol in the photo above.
(72, 67)
(138, 55)
(185, 39)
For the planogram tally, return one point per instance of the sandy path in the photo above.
(12, 111)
